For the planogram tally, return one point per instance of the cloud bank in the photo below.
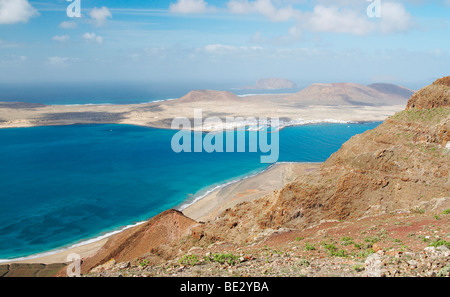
(191, 6)
(341, 16)
(16, 11)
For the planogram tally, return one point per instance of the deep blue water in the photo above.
(61, 185)
(113, 93)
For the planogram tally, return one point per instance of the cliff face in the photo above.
(400, 166)
(155, 236)
(396, 167)
(433, 96)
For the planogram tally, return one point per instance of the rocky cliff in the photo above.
(379, 183)
(397, 166)
(156, 236)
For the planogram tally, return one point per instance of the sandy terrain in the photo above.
(161, 114)
(246, 190)
(61, 256)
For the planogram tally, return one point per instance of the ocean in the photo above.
(66, 185)
(112, 93)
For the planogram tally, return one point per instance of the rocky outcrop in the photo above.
(433, 96)
(164, 229)
(400, 166)
(394, 167)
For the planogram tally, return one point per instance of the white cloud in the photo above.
(100, 15)
(295, 33)
(340, 16)
(221, 49)
(394, 18)
(16, 11)
(92, 37)
(191, 6)
(264, 7)
(68, 25)
(333, 19)
(60, 61)
(5, 44)
(61, 38)
(13, 59)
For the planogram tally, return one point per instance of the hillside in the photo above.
(392, 89)
(338, 94)
(209, 96)
(434, 96)
(395, 167)
(155, 236)
(384, 191)
(271, 84)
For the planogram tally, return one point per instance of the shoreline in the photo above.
(160, 113)
(295, 123)
(211, 189)
(221, 196)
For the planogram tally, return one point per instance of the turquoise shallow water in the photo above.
(62, 185)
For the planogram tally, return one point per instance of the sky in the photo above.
(236, 41)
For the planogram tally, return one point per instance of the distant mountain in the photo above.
(272, 84)
(351, 93)
(392, 89)
(209, 95)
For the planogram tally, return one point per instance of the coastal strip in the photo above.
(202, 209)
(161, 114)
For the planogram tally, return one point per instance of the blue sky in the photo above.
(231, 40)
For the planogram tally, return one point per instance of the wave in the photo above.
(108, 103)
(79, 244)
(211, 189)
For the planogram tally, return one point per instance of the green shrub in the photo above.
(190, 260)
(144, 263)
(440, 242)
(347, 241)
(358, 268)
(309, 247)
(371, 240)
(418, 211)
(221, 258)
